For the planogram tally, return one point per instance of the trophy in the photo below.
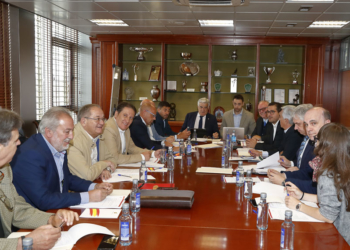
(141, 51)
(263, 93)
(172, 113)
(204, 86)
(184, 84)
(248, 106)
(295, 75)
(234, 55)
(135, 67)
(247, 87)
(296, 99)
(128, 92)
(269, 72)
(125, 75)
(280, 57)
(155, 92)
(217, 87)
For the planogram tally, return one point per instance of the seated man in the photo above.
(161, 123)
(238, 117)
(118, 139)
(202, 119)
(88, 155)
(314, 120)
(140, 129)
(40, 170)
(274, 134)
(14, 210)
(260, 128)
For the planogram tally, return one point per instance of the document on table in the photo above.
(247, 167)
(200, 139)
(120, 192)
(153, 162)
(70, 237)
(109, 202)
(279, 214)
(101, 214)
(213, 170)
(156, 170)
(270, 189)
(271, 161)
(243, 151)
(206, 146)
(233, 179)
(244, 158)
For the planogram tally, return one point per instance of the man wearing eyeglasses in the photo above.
(14, 210)
(261, 122)
(88, 156)
(141, 131)
(47, 184)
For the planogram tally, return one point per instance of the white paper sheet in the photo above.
(178, 157)
(279, 214)
(206, 146)
(153, 162)
(213, 170)
(103, 214)
(120, 192)
(233, 179)
(270, 189)
(243, 151)
(157, 169)
(271, 161)
(200, 139)
(243, 158)
(128, 177)
(109, 202)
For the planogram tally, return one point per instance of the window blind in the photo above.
(6, 100)
(56, 65)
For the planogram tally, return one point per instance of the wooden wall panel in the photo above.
(96, 72)
(344, 111)
(314, 61)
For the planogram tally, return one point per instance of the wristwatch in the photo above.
(297, 207)
(109, 169)
(283, 183)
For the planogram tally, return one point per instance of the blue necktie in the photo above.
(200, 122)
(98, 149)
(301, 149)
(265, 123)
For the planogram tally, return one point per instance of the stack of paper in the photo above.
(153, 162)
(200, 139)
(243, 151)
(233, 179)
(101, 213)
(213, 170)
(270, 162)
(110, 202)
(157, 170)
(206, 146)
(244, 158)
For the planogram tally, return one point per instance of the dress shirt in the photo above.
(59, 159)
(94, 151)
(275, 129)
(301, 156)
(122, 138)
(265, 154)
(150, 133)
(196, 123)
(237, 118)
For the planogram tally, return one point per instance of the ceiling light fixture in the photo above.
(109, 22)
(305, 8)
(328, 24)
(216, 23)
(310, 1)
(291, 24)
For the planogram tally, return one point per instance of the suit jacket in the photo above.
(139, 134)
(79, 155)
(303, 177)
(35, 177)
(247, 121)
(114, 144)
(291, 143)
(159, 125)
(259, 128)
(23, 214)
(271, 145)
(211, 124)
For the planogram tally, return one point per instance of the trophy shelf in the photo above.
(185, 60)
(135, 61)
(236, 61)
(242, 93)
(287, 84)
(282, 64)
(190, 92)
(252, 77)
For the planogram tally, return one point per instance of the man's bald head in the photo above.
(148, 111)
(314, 120)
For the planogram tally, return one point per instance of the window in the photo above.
(56, 66)
(5, 58)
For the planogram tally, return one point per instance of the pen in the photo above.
(62, 223)
(152, 148)
(125, 175)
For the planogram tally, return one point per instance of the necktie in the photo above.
(301, 149)
(200, 122)
(98, 149)
(265, 123)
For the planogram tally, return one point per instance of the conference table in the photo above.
(220, 218)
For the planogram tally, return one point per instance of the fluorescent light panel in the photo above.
(310, 1)
(216, 23)
(328, 24)
(109, 22)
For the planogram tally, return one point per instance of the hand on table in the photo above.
(275, 177)
(293, 190)
(44, 237)
(291, 202)
(105, 175)
(255, 153)
(251, 143)
(157, 153)
(97, 195)
(105, 185)
(184, 134)
(147, 155)
(284, 162)
(170, 139)
(63, 215)
(292, 169)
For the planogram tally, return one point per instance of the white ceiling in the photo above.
(260, 17)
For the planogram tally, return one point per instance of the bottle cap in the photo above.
(27, 241)
(125, 206)
(288, 213)
(249, 171)
(240, 163)
(170, 148)
(225, 149)
(143, 162)
(263, 195)
(135, 181)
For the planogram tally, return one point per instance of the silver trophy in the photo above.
(129, 92)
(136, 68)
(295, 75)
(141, 51)
(269, 72)
(263, 93)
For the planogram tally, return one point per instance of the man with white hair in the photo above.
(40, 169)
(201, 119)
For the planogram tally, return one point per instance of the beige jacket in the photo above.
(79, 155)
(23, 214)
(114, 144)
(247, 121)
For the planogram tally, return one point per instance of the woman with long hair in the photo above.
(332, 172)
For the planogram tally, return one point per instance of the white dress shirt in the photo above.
(196, 123)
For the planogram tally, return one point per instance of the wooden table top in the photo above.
(220, 218)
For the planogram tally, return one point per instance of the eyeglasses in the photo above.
(262, 109)
(270, 111)
(3, 197)
(96, 119)
(150, 113)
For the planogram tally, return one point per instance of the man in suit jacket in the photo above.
(14, 210)
(47, 183)
(314, 119)
(161, 123)
(261, 122)
(274, 134)
(118, 139)
(202, 119)
(238, 117)
(88, 155)
(140, 129)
